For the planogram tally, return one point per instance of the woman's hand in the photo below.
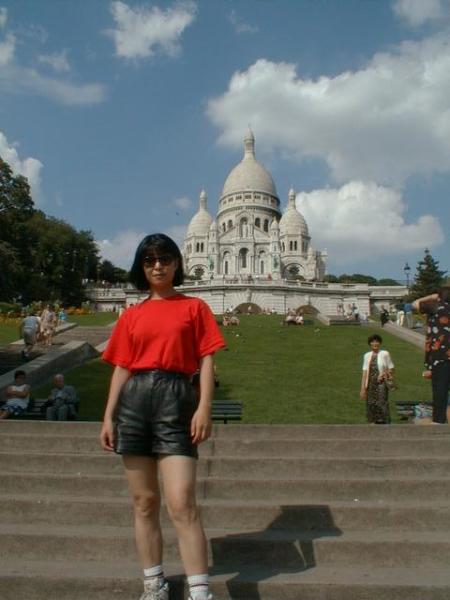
(427, 374)
(363, 394)
(107, 435)
(201, 425)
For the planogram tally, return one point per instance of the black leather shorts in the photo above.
(154, 415)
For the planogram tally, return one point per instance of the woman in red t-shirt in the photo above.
(153, 417)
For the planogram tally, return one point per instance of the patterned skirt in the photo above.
(377, 405)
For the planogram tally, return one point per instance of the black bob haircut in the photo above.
(374, 338)
(156, 244)
(19, 373)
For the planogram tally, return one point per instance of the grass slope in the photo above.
(285, 374)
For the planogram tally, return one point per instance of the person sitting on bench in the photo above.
(17, 397)
(62, 402)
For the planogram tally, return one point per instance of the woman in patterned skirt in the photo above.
(377, 369)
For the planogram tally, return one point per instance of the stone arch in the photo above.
(294, 270)
(198, 271)
(244, 307)
(307, 309)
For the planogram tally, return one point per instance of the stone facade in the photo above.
(250, 238)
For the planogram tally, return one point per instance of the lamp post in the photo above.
(407, 270)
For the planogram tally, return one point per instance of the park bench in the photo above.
(405, 408)
(226, 411)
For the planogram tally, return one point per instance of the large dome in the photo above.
(292, 222)
(201, 221)
(249, 174)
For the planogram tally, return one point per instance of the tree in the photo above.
(428, 278)
(387, 281)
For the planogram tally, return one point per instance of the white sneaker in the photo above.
(153, 591)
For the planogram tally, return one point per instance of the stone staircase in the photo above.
(291, 513)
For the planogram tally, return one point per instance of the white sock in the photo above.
(198, 586)
(153, 574)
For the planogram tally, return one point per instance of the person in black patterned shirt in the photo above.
(437, 348)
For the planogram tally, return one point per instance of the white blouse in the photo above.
(384, 363)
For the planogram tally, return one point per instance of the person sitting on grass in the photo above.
(17, 397)
(62, 402)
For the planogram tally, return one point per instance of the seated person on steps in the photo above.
(62, 402)
(17, 397)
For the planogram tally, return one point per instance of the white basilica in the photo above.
(250, 238)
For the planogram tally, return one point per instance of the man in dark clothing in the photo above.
(437, 348)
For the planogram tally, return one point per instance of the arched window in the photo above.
(226, 263)
(202, 247)
(291, 246)
(266, 225)
(230, 224)
(224, 227)
(258, 222)
(262, 262)
(243, 258)
(243, 228)
(197, 247)
(295, 245)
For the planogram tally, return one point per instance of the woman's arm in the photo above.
(416, 304)
(119, 377)
(363, 392)
(201, 423)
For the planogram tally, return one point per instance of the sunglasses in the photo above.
(164, 261)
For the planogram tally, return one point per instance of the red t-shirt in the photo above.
(170, 334)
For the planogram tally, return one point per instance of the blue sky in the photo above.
(121, 112)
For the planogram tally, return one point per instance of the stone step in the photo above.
(287, 549)
(301, 490)
(246, 515)
(79, 580)
(102, 463)
(435, 446)
(249, 432)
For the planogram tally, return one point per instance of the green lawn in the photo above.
(97, 319)
(9, 332)
(285, 374)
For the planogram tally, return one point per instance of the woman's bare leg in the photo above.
(179, 473)
(142, 478)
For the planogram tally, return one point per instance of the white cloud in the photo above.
(366, 222)
(16, 79)
(239, 25)
(121, 249)
(141, 31)
(28, 167)
(384, 122)
(3, 16)
(7, 48)
(177, 233)
(418, 12)
(184, 203)
(58, 61)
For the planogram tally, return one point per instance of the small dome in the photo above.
(201, 221)
(213, 226)
(274, 225)
(292, 222)
(249, 174)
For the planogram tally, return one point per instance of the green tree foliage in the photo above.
(41, 258)
(428, 278)
(387, 281)
(112, 274)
